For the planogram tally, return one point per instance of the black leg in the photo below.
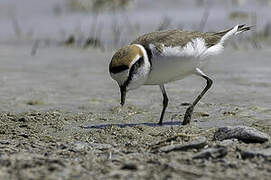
(165, 103)
(189, 111)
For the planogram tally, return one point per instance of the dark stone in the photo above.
(22, 119)
(24, 135)
(213, 153)
(23, 126)
(4, 142)
(129, 166)
(246, 134)
(185, 104)
(247, 154)
(197, 143)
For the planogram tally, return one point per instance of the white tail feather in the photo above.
(232, 32)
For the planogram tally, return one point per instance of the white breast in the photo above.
(171, 68)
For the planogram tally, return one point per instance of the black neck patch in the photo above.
(134, 70)
(149, 54)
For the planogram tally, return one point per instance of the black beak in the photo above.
(123, 95)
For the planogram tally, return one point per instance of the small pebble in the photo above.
(129, 166)
(197, 143)
(211, 153)
(185, 104)
(4, 142)
(244, 133)
(265, 153)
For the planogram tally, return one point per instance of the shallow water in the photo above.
(53, 19)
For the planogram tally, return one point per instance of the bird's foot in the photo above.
(188, 114)
(160, 124)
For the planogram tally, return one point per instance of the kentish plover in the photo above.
(160, 57)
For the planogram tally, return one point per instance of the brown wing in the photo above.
(177, 38)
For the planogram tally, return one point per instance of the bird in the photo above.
(160, 57)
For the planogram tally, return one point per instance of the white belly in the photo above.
(167, 69)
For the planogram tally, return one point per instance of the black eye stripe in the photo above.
(118, 69)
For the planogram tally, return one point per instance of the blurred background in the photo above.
(108, 24)
(55, 53)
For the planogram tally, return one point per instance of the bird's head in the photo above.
(130, 67)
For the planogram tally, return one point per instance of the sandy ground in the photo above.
(48, 108)
(60, 114)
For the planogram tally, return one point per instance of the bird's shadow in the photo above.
(101, 126)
